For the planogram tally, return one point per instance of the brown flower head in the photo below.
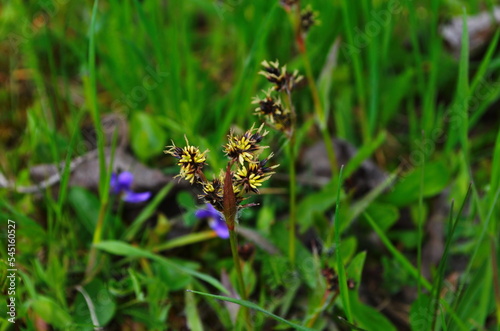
(275, 113)
(283, 80)
(213, 193)
(191, 160)
(308, 18)
(243, 148)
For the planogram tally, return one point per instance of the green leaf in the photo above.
(188, 239)
(364, 153)
(124, 249)
(188, 202)
(174, 279)
(355, 268)
(348, 248)
(51, 312)
(325, 78)
(308, 274)
(147, 137)
(192, 315)
(265, 218)
(314, 203)
(253, 306)
(384, 214)
(360, 206)
(421, 313)
(86, 206)
(367, 317)
(472, 306)
(101, 300)
(344, 291)
(436, 177)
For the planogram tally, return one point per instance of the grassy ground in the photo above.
(411, 246)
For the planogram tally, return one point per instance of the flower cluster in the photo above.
(308, 18)
(283, 80)
(245, 147)
(191, 161)
(243, 152)
(277, 116)
(275, 113)
(252, 176)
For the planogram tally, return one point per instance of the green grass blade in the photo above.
(124, 249)
(344, 290)
(91, 95)
(253, 306)
(421, 216)
(363, 153)
(192, 315)
(355, 54)
(188, 239)
(397, 255)
(440, 275)
(409, 267)
(149, 210)
(459, 111)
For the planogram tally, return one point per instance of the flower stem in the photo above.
(293, 199)
(236, 259)
(239, 275)
(292, 180)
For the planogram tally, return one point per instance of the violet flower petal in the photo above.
(136, 197)
(220, 227)
(208, 212)
(114, 184)
(125, 180)
(203, 213)
(215, 220)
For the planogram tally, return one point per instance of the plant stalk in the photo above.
(233, 238)
(293, 200)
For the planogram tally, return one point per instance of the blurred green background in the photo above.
(420, 102)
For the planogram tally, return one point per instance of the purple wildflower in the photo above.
(121, 184)
(215, 220)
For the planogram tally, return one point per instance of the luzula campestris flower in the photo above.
(250, 178)
(191, 161)
(243, 151)
(283, 80)
(244, 147)
(273, 111)
(308, 18)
